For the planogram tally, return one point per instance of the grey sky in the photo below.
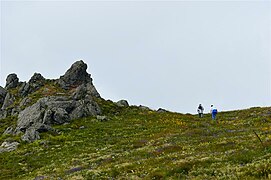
(173, 55)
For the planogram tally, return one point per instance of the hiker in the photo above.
(200, 110)
(213, 111)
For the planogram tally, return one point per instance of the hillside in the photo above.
(113, 141)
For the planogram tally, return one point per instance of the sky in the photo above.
(161, 54)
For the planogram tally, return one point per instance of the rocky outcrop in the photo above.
(35, 83)
(77, 100)
(12, 81)
(75, 76)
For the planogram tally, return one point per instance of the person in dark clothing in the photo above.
(200, 110)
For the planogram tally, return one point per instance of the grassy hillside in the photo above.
(141, 144)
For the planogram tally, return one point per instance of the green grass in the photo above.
(140, 144)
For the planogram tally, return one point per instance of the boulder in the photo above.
(144, 107)
(8, 146)
(102, 118)
(122, 103)
(12, 81)
(161, 110)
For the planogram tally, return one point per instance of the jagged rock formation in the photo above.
(12, 81)
(76, 100)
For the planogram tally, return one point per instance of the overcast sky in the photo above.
(173, 55)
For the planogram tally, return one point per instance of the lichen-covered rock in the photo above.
(12, 81)
(75, 76)
(9, 130)
(161, 110)
(36, 81)
(122, 103)
(30, 135)
(55, 110)
(8, 146)
(9, 100)
(3, 94)
(60, 116)
(102, 118)
(25, 89)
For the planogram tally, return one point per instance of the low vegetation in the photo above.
(142, 144)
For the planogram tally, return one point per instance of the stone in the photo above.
(144, 107)
(36, 81)
(60, 116)
(30, 135)
(102, 118)
(37, 77)
(8, 146)
(75, 76)
(25, 89)
(122, 103)
(53, 110)
(25, 102)
(9, 100)
(9, 130)
(30, 115)
(3, 94)
(161, 110)
(12, 81)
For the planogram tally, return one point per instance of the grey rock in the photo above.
(75, 76)
(122, 103)
(12, 81)
(9, 100)
(40, 127)
(3, 94)
(91, 90)
(37, 77)
(144, 107)
(60, 116)
(31, 134)
(9, 130)
(8, 146)
(25, 102)
(25, 89)
(161, 110)
(54, 110)
(80, 92)
(85, 108)
(36, 81)
(102, 118)
(30, 115)
(3, 113)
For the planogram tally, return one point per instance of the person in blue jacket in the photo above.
(213, 111)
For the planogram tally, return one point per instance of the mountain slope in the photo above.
(143, 144)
